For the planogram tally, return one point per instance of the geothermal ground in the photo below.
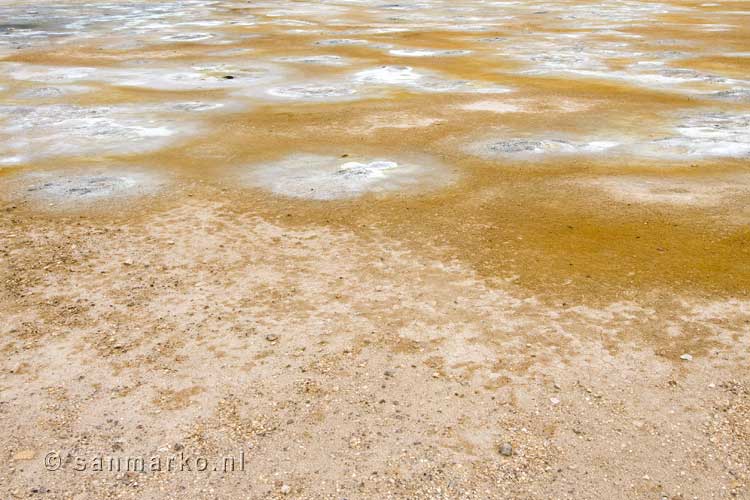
(351, 249)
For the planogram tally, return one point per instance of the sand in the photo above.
(366, 250)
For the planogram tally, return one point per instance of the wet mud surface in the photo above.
(374, 244)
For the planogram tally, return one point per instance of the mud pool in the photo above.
(470, 116)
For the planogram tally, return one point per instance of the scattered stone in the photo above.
(271, 337)
(285, 489)
(686, 357)
(506, 449)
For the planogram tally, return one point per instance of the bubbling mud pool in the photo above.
(329, 177)
(481, 114)
(81, 188)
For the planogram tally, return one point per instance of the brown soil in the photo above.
(388, 346)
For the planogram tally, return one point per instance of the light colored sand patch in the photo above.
(492, 107)
(526, 106)
(387, 121)
(702, 192)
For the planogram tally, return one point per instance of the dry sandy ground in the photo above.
(345, 364)
(546, 298)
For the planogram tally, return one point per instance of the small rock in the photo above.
(285, 489)
(271, 337)
(686, 357)
(506, 449)
(554, 401)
